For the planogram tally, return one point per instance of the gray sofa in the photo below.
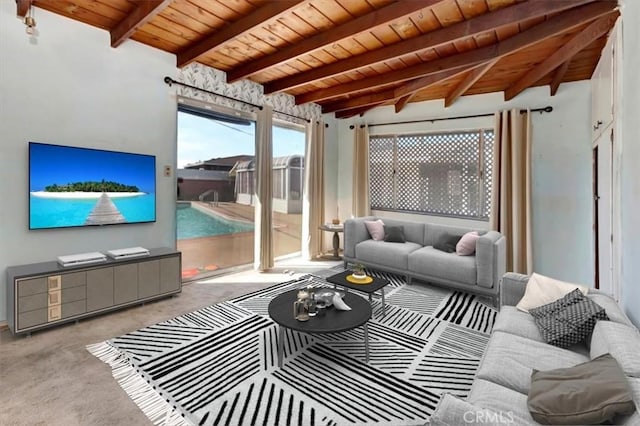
(416, 258)
(499, 392)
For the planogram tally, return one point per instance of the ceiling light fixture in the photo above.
(30, 21)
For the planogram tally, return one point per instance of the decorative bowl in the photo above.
(359, 275)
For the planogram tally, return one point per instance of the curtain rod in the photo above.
(171, 81)
(431, 120)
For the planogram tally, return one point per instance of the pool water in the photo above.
(192, 223)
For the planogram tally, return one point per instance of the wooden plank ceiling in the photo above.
(353, 55)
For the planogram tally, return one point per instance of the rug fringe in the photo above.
(152, 404)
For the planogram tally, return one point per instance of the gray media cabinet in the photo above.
(45, 294)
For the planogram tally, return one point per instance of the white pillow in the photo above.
(375, 228)
(542, 290)
(467, 244)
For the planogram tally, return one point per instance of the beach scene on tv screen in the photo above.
(70, 186)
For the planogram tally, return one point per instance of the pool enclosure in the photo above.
(288, 175)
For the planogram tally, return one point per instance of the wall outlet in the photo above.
(167, 171)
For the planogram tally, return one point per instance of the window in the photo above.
(442, 174)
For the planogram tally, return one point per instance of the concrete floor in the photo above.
(51, 379)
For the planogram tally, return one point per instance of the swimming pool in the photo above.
(192, 223)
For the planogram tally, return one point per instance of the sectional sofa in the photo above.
(416, 258)
(499, 393)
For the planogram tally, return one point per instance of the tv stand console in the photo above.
(42, 295)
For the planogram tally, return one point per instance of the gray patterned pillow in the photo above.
(568, 320)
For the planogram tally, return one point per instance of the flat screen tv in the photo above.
(72, 186)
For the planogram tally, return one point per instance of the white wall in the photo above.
(69, 87)
(562, 211)
(630, 173)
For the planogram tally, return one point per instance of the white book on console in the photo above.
(82, 258)
(128, 252)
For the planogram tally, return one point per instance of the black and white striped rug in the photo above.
(218, 365)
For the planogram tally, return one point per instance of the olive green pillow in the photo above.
(589, 393)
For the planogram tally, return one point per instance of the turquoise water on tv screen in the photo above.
(59, 212)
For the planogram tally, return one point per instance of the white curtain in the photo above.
(263, 248)
(511, 187)
(360, 205)
(313, 199)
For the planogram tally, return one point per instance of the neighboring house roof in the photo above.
(221, 161)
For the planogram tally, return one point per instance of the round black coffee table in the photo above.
(329, 321)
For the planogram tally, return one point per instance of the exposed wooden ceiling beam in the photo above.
(402, 102)
(22, 7)
(452, 62)
(558, 76)
(143, 13)
(405, 91)
(429, 80)
(594, 31)
(270, 11)
(367, 22)
(474, 26)
(360, 101)
(471, 79)
(348, 113)
(558, 24)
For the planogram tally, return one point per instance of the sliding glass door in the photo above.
(215, 190)
(288, 186)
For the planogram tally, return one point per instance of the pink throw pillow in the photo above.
(467, 244)
(375, 228)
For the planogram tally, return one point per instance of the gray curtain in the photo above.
(511, 187)
(313, 200)
(263, 249)
(360, 199)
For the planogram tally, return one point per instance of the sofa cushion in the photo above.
(413, 231)
(634, 419)
(448, 266)
(453, 411)
(467, 244)
(390, 255)
(375, 229)
(613, 310)
(513, 321)
(568, 320)
(447, 243)
(621, 341)
(394, 234)
(542, 290)
(510, 404)
(593, 392)
(433, 232)
(509, 360)
(522, 324)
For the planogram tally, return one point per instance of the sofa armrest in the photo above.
(355, 232)
(491, 259)
(512, 288)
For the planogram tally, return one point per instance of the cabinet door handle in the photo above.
(597, 125)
